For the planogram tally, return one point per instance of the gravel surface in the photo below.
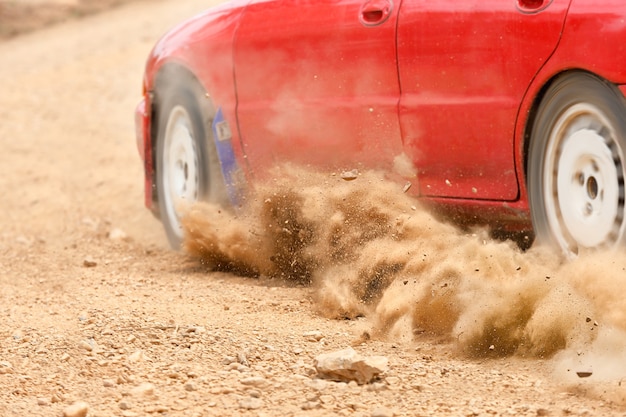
(102, 319)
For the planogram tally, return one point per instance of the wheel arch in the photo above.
(530, 120)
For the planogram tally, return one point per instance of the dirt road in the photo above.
(96, 309)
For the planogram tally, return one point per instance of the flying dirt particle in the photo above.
(350, 175)
(406, 187)
(584, 374)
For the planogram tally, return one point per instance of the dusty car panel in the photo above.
(464, 69)
(317, 85)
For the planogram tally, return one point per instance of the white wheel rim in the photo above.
(180, 166)
(584, 180)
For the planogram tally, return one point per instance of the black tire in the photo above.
(187, 166)
(576, 165)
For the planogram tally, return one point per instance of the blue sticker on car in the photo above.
(228, 162)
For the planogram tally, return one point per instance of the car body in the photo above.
(497, 111)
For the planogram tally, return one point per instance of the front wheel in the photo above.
(576, 165)
(187, 168)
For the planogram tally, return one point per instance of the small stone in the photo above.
(310, 405)
(313, 336)
(124, 405)
(157, 409)
(584, 374)
(137, 356)
(143, 390)
(326, 399)
(378, 386)
(89, 263)
(84, 344)
(242, 358)
(78, 409)
(174, 375)
(392, 380)
(406, 187)
(348, 366)
(250, 403)
(108, 383)
(190, 386)
(318, 384)
(254, 381)
(5, 367)
(236, 367)
(43, 401)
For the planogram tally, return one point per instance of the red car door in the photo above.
(464, 67)
(317, 82)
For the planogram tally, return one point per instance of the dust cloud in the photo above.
(367, 249)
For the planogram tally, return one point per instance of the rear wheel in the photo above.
(576, 165)
(187, 168)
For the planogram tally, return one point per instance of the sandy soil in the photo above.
(22, 16)
(97, 309)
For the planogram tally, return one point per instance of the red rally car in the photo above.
(509, 113)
